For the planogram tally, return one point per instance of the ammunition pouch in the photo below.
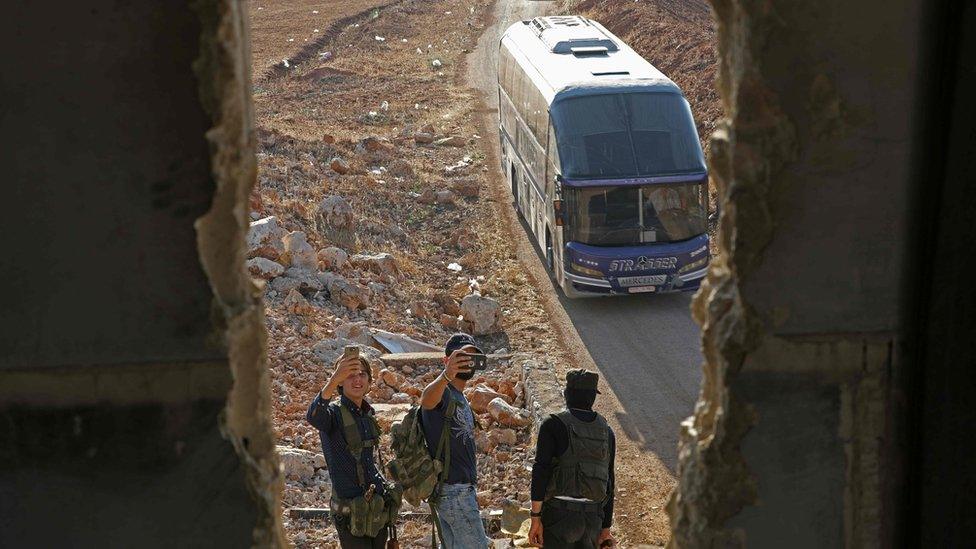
(365, 518)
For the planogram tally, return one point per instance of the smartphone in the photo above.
(479, 361)
(350, 351)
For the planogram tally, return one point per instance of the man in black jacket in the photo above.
(572, 477)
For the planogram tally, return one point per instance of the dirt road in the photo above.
(646, 348)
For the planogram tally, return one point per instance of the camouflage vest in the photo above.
(583, 470)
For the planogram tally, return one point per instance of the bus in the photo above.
(603, 158)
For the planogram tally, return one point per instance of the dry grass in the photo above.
(282, 28)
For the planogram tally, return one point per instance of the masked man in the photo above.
(572, 477)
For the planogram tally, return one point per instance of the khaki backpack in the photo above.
(413, 468)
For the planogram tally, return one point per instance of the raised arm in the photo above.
(434, 391)
(318, 412)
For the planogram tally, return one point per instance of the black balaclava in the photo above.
(581, 399)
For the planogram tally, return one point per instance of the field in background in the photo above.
(281, 29)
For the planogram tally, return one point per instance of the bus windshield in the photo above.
(626, 135)
(631, 215)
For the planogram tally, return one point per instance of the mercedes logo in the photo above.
(642, 262)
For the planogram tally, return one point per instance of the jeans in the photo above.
(460, 522)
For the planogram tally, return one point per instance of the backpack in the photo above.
(414, 470)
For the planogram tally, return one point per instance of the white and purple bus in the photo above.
(603, 158)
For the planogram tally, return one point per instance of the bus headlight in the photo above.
(586, 270)
(694, 265)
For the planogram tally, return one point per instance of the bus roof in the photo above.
(573, 55)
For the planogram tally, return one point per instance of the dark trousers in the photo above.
(349, 541)
(570, 525)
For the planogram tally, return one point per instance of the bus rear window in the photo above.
(626, 135)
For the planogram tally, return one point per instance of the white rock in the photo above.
(283, 285)
(299, 252)
(381, 263)
(401, 398)
(298, 464)
(264, 238)
(302, 279)
(333, 258)
(345, 293)
(264, 268)
(335, 220)
(480, 396)
(354, 331)
(452, 141)
(482, 312)
(508, 415)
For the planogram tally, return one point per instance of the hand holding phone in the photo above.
(478, 361)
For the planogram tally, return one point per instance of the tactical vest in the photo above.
(583, 470)
(354, 439)
(367, 514)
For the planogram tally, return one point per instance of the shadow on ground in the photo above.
(648, 350)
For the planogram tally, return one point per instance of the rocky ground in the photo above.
(371, 211)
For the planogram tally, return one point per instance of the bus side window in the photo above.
(552, 152)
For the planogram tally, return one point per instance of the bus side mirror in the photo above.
(557, 208)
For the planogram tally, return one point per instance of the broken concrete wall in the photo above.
(133, 393)
(795, 437)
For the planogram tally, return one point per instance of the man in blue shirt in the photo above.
(353, 476)
(443, 405)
